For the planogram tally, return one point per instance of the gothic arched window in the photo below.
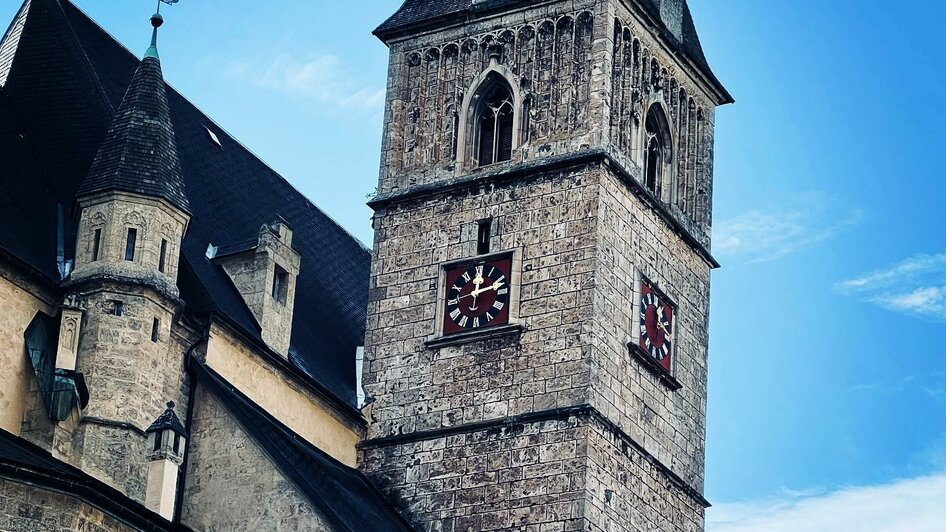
(658, 151)
(495, 121)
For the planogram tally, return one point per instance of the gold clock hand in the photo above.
(495, 286)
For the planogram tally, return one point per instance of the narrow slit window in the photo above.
(155, 329)
(130, 244)
(280, 285)
(483, 237)
(96, 244)
(177, 444)
(157, 442)
(118, 308)
(163, 257)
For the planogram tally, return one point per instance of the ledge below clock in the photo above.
(503, 331)
(654, 367)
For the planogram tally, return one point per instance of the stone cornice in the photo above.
(533, 170)
(584, 412)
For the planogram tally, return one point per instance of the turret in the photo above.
(133, 214)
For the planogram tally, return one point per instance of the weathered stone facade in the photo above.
(231, 475)
(266, 275)
(19, 308)
(572, 206)
(131, 360)
(109, 217)
(566, 473)
(26, 508)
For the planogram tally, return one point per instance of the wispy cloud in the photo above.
(912, 505)
(915, 286)
(933, 385)
(763, 235)
(324, 78)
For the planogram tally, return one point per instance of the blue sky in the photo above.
(827, 387)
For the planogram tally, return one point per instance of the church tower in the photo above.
(537, 333)
(133, 214)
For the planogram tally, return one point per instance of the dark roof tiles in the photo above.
(67, 77)
(168, 421)
(139, 152)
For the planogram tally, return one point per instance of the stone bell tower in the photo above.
(133, 213)
(537, 330)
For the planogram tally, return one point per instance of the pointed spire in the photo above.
(139, 153)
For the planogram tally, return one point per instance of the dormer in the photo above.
(265, 274)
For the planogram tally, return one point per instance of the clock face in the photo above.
(477, 296)
(656, 323)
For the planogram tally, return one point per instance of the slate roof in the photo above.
(25, 462)
(67, 77)
(168, 420)
(342, 495)
(415, 13)
(139, 153)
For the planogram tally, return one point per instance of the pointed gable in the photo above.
(139, 153)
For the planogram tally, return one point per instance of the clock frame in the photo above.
(477, 294)
(656, 320)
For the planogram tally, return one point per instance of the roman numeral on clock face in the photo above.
(477, 295)
(656, 325)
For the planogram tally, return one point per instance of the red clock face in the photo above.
(656, 323)
(477, 296)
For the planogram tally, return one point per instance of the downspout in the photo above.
(182, 473)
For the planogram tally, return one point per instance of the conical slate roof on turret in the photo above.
(139, 153)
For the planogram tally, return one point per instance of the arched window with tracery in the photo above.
(658, 152)
(495, 122)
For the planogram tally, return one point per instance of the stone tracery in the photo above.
(638, 77)
(551, 60)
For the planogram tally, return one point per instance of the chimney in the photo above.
(265, 274)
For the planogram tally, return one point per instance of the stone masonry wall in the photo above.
(627, 493)
(232, 485)
(550, 50)
(634, 241)
(569, 473)
(26, 508)
(130, 379)
(516, 477)
(16, 373)
(550, 222)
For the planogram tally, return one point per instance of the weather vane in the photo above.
(168, 2)
(156, 22)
